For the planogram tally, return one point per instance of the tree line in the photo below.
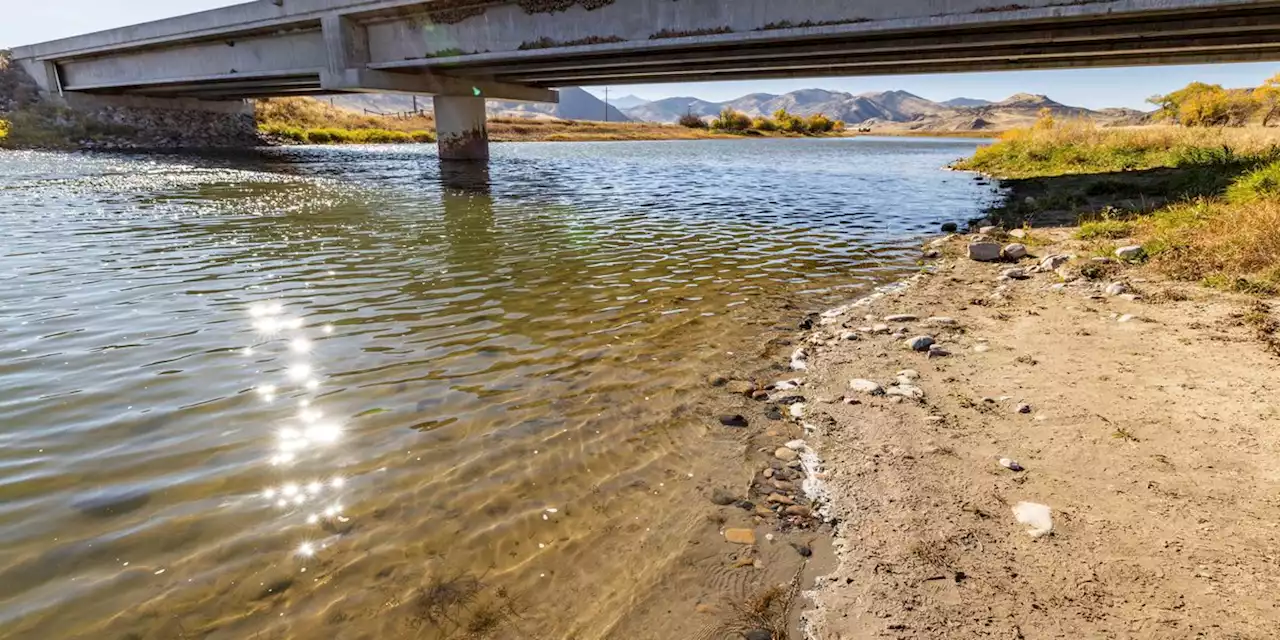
(734, 121)
(1201, 104)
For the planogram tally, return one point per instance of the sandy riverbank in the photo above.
(1150, 432)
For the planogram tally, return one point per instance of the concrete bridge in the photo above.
(464, 51)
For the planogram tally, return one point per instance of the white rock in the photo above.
(1060, 287)
(909, 375)
(942, 321)
(984, 251)
(880, 328)
(799, 359)
(988, 229)
(920, 343)
(1117, 288)
(1051, 263)
(1010, 464)
(1131, 252)
(981, 348)
(784, 454)
(797, 410)
(1018, 233)
(1023, 408)
(795, 445)
(788, 385)
(1036, 516)
(1014, 274)
(906, 391)
(1126, 318)
(862, 385)
(1015, 251)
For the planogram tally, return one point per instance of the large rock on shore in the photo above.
(984, 251)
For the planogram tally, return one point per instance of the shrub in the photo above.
(692, 122)
(731, 120)
(764, 124)
(789, 123)
(819, 123)
(422, 136)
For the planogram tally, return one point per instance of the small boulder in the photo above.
(920, 343)
(1117, 288)
(906, 391)
(1015, 274)
(1131, 252)
(931, 254)
(862, 385)
(1018, 233)
(880, 328)
(733, 420)
(936, 351)
(908, 375)
(1053, 262)
(723, 497)
(786, 455)
(984, 251)
(740, 536)
(949, 227)
(1015, 251)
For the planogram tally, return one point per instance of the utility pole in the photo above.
(606, 104)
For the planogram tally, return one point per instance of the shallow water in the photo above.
(340, 392)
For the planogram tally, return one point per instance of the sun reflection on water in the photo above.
(308, 433)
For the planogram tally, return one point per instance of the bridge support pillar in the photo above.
(460, 128)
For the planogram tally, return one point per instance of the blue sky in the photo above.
(28, 22)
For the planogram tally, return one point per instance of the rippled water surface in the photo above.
(326, 392)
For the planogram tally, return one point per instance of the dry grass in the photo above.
(1079, 146)
(1229, 246)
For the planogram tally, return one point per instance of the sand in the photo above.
(1154, 442)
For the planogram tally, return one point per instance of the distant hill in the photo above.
(575, 104)
(627, 102)
(964, 103)
(888, 110)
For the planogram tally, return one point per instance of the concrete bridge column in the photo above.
(460, 127)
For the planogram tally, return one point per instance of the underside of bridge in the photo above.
(464, 51)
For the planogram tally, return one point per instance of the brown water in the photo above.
(326, 392)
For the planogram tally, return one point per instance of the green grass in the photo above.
(1105, 229)
(330, 135)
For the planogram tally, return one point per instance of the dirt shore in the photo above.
(1149, 427)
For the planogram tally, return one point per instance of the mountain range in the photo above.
(893, 110)
(887, 109)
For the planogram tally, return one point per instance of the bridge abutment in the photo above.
(460, 128)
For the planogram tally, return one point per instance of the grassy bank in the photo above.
(1203, 202)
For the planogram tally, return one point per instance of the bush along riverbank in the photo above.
(1202, 204)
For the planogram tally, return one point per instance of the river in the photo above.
(341, 392)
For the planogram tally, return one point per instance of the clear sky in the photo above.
(28, 21)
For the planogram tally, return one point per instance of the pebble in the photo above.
(1131, 297)
(785, 454)
(945, 321)
(849, 335)
(934, 419)
(723, 497)
(717, 381)
(768, 472)
(862, 385)
(740, 536)
(981, 348)
(740, 387)
(897, 400)
(1126, 318)
(1060, 287)
(901, 317)
(801, 549)
(906, 391)
(1117, 288)
(920, 343)
(908, 375)
(936, 351)
(783, 485)
(778, 498)
(932, 254)
(795, 445)
(733, 420)
(773, 413)
(797, 510)
(879, 328)
(1131, 252)
(1010, 464)
(1015, 274)
(1023, 408)
(1015, 251)
(984, 251)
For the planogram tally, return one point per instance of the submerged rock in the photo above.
(733, 420)
(112, 502)
(740, 536)
(740, 387)
(949, 227)
(723, 497)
